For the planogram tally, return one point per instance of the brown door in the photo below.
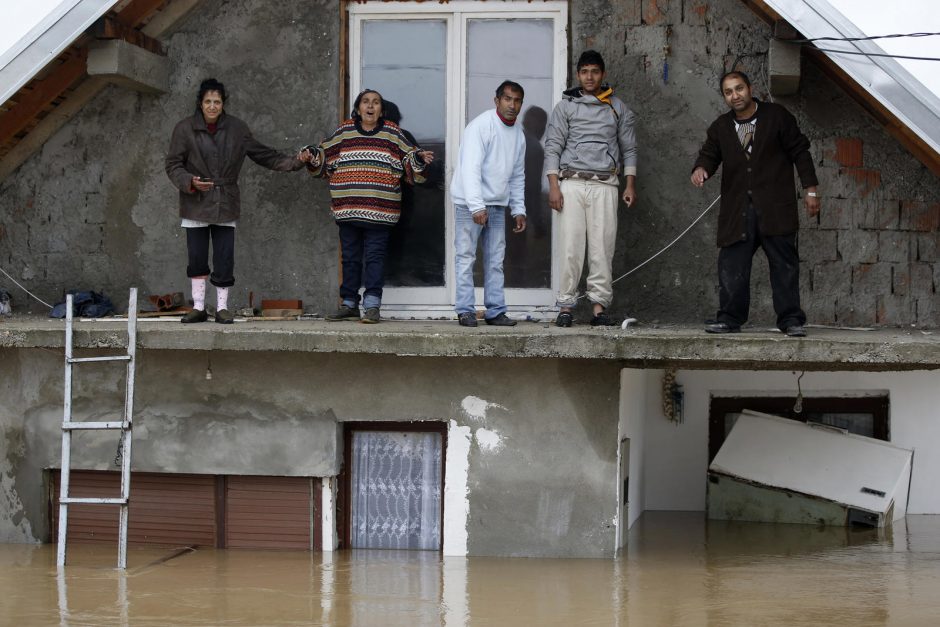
(271, 512)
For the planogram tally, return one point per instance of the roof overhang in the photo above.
(46, 41)
(907, 109)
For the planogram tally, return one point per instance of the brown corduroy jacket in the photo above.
(765, 180)
(217, 157)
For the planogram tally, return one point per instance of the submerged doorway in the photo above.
(394, 485)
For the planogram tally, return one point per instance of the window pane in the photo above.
(405, 61)
(520, 50)
(859, 424)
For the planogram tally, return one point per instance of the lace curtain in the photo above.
(396, 490)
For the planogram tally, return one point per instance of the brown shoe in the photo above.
(196, 315)
(371, 316)
(224, 316)
(343, 313)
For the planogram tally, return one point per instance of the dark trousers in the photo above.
(363, 250)
(734, 276)
(223, 253)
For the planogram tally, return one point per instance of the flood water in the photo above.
(678, 569)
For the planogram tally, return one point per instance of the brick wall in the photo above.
(870, 257)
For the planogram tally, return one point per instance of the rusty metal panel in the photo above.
(165, 509)
(270, 512)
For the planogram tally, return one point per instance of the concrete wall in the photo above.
(677, 456)
(94, 209)
(541, 436)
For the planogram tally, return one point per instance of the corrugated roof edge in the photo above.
(46, 41)
(884, 78)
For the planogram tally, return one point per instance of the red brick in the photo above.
(654, 11)
(695, 12)
(920, 216)
(866, 181)
(849, 152)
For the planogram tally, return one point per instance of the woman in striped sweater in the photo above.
(365, 160)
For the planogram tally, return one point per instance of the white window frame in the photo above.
(431, 301)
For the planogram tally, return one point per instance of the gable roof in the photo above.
(46, 41)
(44, 79)
(903, 105)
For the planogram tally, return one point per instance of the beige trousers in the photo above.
(589, 216)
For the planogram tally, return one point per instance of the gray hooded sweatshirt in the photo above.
(589, 135)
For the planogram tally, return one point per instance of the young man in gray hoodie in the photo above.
(590, 141)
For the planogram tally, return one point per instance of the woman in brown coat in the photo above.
(206, 154)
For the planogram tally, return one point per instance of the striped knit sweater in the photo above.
(365, 169)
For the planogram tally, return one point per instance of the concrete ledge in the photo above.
(130, 66)
(783, 68)
(655, 347)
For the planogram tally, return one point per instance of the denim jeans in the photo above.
(363, 250)
(468, 234)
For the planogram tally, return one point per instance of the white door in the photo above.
(441, 65)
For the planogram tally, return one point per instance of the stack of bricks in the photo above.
(871, 256)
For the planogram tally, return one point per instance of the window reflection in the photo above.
(405, 61)
(492, 43)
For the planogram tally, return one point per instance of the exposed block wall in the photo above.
(883, 271)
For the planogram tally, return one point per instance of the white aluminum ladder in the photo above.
(124, 426)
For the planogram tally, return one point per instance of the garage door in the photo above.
(167, 509)
(195, 510)
(269, 512)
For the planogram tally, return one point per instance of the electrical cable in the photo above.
(24, 289)
(670, 244)
(860, 53)
(666, 247)
(622, 276)
(878, 54)
(867, 38)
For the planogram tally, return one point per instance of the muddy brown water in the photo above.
(678, 569)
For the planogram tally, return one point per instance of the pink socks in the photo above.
(199, 293)
(221, 298)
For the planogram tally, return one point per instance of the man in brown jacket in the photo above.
(205, 156)
(759, 143)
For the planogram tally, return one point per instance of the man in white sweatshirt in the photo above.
(490, 177)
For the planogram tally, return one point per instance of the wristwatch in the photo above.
(812, 194)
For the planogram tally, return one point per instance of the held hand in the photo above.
(629, 195)
(426, 155)
(699, 176)
(812, 206)
(202, 185)
(309, 157)
(555, 198)
(520, 224)
(480, 217)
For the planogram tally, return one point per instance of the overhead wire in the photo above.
(810, 40)
(866, 38)
(879, 54)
